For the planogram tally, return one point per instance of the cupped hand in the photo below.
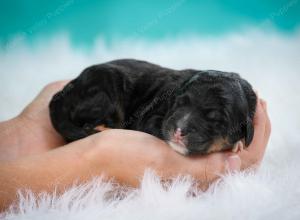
(132, 152)
(35, 117)
(253, 155)
(129, 153)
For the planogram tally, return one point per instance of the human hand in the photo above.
(253, 155)
(131, 152)
(31, 132)
(36, 115)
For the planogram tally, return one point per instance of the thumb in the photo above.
(233, 163)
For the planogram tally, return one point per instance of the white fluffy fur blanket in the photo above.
(270, 61)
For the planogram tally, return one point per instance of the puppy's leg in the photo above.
(97, 113)
(105, 112)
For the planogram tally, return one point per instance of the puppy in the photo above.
(194, 111)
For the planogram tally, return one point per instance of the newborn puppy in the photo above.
(195, 112)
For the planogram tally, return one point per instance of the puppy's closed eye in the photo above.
(182, 101)
(213, 115)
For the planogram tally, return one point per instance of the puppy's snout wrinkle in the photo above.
(181, 132)
(182, 122)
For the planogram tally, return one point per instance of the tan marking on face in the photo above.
(178, 148)
(238, 146)
(218, 145)
(101, 128)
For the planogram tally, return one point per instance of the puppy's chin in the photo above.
(180, 148)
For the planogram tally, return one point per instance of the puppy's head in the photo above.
(213, 111)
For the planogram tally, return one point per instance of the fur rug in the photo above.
(270, 61)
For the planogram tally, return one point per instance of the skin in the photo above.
(34, 156)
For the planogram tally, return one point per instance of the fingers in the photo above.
(142, 147)
(233, 163)
(259, 121)
(208, 168)
(252, 156)
(52, 88)
(43, 98)
(268, 124)
(220, 163)
(38, 108)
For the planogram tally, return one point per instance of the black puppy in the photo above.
(196, 112)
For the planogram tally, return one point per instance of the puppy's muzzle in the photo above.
(177, 142)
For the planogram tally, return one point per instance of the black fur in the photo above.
(141, 96)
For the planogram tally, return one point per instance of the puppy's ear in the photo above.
(251, 101)
(249, 131)
(250, 97)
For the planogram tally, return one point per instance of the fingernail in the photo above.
(233, 163)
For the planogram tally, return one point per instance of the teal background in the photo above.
(85, 20)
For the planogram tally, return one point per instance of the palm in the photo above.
(36, 115)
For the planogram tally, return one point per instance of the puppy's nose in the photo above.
(179, 134)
